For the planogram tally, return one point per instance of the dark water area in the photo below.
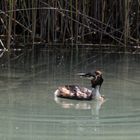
(29, 111)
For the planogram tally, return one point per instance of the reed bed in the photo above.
(114, 22)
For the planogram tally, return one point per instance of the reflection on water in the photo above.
(67, 104)
(28, 110)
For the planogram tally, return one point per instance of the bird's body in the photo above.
(74, 92)
(82, 93)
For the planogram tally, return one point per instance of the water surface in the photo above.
(29, 111)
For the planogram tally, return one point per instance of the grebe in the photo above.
(81, 93)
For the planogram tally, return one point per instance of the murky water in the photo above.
(28, 110)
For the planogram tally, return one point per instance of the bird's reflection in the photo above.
(83, 105)
(93, 106)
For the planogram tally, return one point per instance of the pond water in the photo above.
(29, 111)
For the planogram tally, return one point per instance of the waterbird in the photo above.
(77, 92)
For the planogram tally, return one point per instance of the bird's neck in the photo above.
(96, 92)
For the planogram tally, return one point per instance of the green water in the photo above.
(29, 111)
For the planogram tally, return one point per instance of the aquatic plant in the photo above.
(75, 22)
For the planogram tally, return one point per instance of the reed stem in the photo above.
(84, 21)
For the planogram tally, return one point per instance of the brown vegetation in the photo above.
(115, 22)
